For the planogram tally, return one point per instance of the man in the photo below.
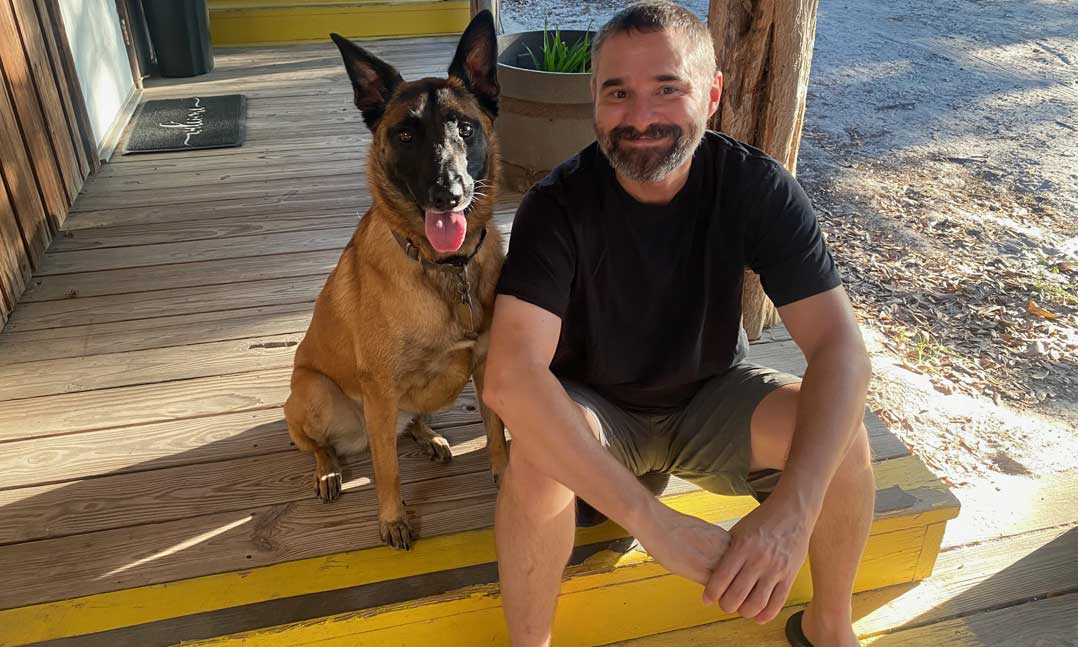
(617, 350)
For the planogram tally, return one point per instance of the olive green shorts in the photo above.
(707, 443)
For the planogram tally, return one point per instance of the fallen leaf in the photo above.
(1035, 309)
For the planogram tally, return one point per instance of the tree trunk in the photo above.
(495, 10)
(764, 49)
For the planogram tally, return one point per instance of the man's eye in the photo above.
(619, 94)
(405, 136)
(465, 130)
(668, 89)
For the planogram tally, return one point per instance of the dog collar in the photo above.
(457, 265)
(456, 261)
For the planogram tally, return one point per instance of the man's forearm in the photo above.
(550, 430)
(830, 408)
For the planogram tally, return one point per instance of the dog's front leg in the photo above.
(380, 411)
(492, 422)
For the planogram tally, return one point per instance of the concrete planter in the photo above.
(544, 118)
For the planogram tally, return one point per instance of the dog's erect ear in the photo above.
(476, 61)
(373, 80)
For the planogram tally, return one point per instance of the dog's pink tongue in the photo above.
(446, 230)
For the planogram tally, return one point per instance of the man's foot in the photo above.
(824, 631)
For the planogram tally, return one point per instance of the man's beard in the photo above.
(652, 163)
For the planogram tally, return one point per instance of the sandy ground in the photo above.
(940, 149)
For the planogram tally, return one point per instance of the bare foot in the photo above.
(826, 632)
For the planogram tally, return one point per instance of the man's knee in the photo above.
(860, 452)
(530, 485)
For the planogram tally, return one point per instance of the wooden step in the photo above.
(444, 592)
(256, 22)
(971, 589)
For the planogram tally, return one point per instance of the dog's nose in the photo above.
(444, 198)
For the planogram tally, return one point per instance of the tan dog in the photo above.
(402, 321)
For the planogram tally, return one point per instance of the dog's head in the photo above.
(434, 155)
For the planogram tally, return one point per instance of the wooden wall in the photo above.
(46, 151)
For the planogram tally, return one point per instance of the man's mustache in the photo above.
(655, 131)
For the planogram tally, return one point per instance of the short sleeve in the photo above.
(784, 244)
(541, 262)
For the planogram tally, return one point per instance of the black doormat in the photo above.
(184, 124)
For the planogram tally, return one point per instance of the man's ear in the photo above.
(373, 80)
(714, 95)
(476, 61)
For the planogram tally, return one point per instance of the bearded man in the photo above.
(617, 351)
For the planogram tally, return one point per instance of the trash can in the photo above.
(180, 33)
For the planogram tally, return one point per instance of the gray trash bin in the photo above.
(180, 33)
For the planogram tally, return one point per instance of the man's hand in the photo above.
(754, 575)
(683, 544)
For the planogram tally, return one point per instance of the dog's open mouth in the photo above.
(445, 229)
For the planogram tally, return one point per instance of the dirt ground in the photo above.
(940, 147)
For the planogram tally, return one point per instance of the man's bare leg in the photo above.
(836, 546)
(841, 531)
(534, 527)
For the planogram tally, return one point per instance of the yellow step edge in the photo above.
(246, 26)
(117, 609)
(636, 600)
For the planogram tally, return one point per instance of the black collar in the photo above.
(452, 262)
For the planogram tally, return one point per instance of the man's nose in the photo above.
(641, 114)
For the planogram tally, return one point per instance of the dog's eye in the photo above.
(465, 129)
(405, 137)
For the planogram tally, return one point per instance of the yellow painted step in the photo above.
(253, 22)
(905, 542)
(621, 596)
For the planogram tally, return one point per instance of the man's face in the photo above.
(650, 112)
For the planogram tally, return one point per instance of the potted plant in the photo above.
(545, 109)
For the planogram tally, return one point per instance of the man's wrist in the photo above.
(800, 496)
(643, 518)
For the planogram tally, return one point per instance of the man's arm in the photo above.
(549, 431)
(829, 411)
(832, 401)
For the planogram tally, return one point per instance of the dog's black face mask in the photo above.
(436, 133)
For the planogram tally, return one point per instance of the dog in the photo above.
(402, 321)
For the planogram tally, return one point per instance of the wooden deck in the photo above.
(148, 490)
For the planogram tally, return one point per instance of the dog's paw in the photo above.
(328, 486)
(396, 534)
(438, 449)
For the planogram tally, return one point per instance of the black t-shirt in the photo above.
(650, 296)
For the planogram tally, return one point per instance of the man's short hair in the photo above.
(651, 16)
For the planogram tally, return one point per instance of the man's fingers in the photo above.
(724, 573)
(758, 598)
(739, 589)
(775, 604)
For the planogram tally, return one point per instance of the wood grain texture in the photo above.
(18, 173)
(120, 559)
(172, 493)
(144, 334)
(14, 265)
(146, 403)
(45, 85)
(157, 365)
(24, 97)
(178, 301)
